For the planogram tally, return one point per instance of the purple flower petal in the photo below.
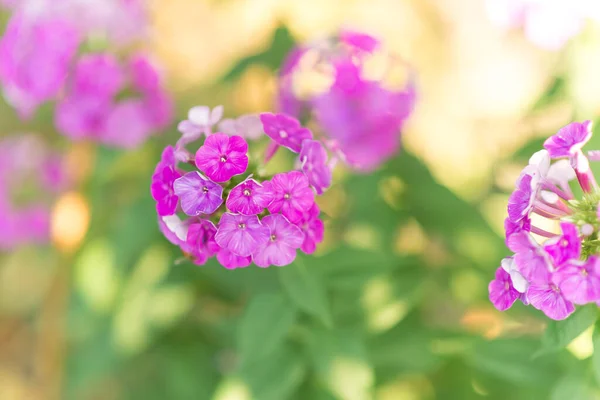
(532, 261)
(198, 195)
(285, 130)
(284, 239)
(548, 298)
(313, 158)
(232, 261)
(201, 241)
(221, 157)
(569, 140)
(565, 247)
(521, 201)
(502, 293)
(579, 281)
(241, 234)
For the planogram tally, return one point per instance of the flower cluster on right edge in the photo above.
(564, 269)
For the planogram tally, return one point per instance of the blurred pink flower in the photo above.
(35, 57)
(90, 109)
(358, 118)
(31, 177)
(549, 24)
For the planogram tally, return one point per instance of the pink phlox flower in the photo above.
(232, 261)
(359, 40)
(569, 140)
(313, 229)
(221, 157)
(248, 198)
(313, 159)
(566, 247)
(531, 259)
(201, 241)
(291, 195)
(547, 297)
(514, 227)
(280, 250)
(501, 291)
(241, 234)
(522, 199)
(198, 195)
(35, 57)
(163, 178)
(286, 131)
(579, 281)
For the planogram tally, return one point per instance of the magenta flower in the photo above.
(359, 40)
(284, 239)
(531, 260)
(241, 234)
(201, 241)
(82, 113)
(248, 198)
(548, 298)
(502, 293)
(221, 157)
(313, 229)
(162, 184)
(511, 228)
(291, 195)
(25, 47)
(363, 118)
(127, 125)
(26, 162)
(518, 281)
(569, 140)
(566, 247)
(579, 281)
(232, 261)
(198, 195)
(521, 201)
(313, 158)
(285, 130)
(90, 109)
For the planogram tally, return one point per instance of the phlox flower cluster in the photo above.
(549, 24)
(216, 201)
(31, 176)
(98, 96)
(563, 270)
(359, 113)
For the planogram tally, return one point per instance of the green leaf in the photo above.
(275, 377)
(306, 290)
(560, 333)
(264, 325)
(596, 355)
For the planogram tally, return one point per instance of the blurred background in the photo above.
(394, 304)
